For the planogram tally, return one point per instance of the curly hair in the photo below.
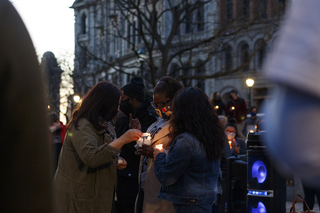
(193, 113)
(100, 102)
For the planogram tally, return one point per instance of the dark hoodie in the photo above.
(127, 187)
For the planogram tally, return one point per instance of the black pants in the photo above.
(309, 194)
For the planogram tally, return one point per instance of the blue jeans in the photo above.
(181, 208)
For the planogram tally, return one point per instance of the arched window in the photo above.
(228, 57)
(84, 24)
(261, 53)
(200, 71)
(244, 56)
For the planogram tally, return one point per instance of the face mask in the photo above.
(164, 113)
(231, 136)
(126, 107)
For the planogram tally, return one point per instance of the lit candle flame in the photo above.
(159, 146)
(232, 108)
(217, 107)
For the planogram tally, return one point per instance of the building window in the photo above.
(262, 49)
(175, 19)
(281, 7)
(244, 56)
(228, 57)
(229, 10)
(188, 19)
(245, 9)
(200, 18)
(263, 6)
(84, 24)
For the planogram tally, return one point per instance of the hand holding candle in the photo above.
(157, 150)
(121, 163)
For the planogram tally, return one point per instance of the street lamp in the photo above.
(249, 83)
(76, 98)
(142, 56)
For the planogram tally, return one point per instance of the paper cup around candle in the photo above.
(145, 134)
(159, 146)
(120, 161)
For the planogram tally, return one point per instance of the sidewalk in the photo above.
(299, 207)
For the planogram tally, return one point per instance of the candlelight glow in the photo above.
(217, 107)
(232, 108)
(159, 146)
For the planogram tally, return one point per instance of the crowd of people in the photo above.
(98, 164)
(102, 168)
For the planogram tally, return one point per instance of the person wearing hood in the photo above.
(136, 113)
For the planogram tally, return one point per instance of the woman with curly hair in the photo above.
(190, 170)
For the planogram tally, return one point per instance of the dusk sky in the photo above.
(50, 24)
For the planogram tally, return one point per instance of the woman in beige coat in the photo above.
(85, 179)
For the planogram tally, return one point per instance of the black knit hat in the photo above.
(135, 89)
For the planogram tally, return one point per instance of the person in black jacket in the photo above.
(136, 112)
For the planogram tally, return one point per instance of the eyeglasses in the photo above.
(160, 105)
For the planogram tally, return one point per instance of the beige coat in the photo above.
(152, 186)
(86, 176)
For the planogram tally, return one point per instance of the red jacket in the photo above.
(240, 109)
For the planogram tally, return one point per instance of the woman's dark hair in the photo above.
(167, 86)
(193, 113)
(100, 102)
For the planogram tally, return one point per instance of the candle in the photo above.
(232, 108)
(145, 134)
(217, 107)
(230, 144)
(159, 146)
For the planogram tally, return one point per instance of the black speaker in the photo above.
(266, 188)
(236, 184)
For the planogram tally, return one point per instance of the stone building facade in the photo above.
(96, 48)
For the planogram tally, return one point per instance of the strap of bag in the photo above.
(305, 205)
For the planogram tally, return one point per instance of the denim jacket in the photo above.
(186, 174)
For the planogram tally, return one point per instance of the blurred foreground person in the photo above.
(294, 113)
(25, 165)
(190, 170)
(86, 177)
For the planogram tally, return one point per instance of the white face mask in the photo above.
(230, 135)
